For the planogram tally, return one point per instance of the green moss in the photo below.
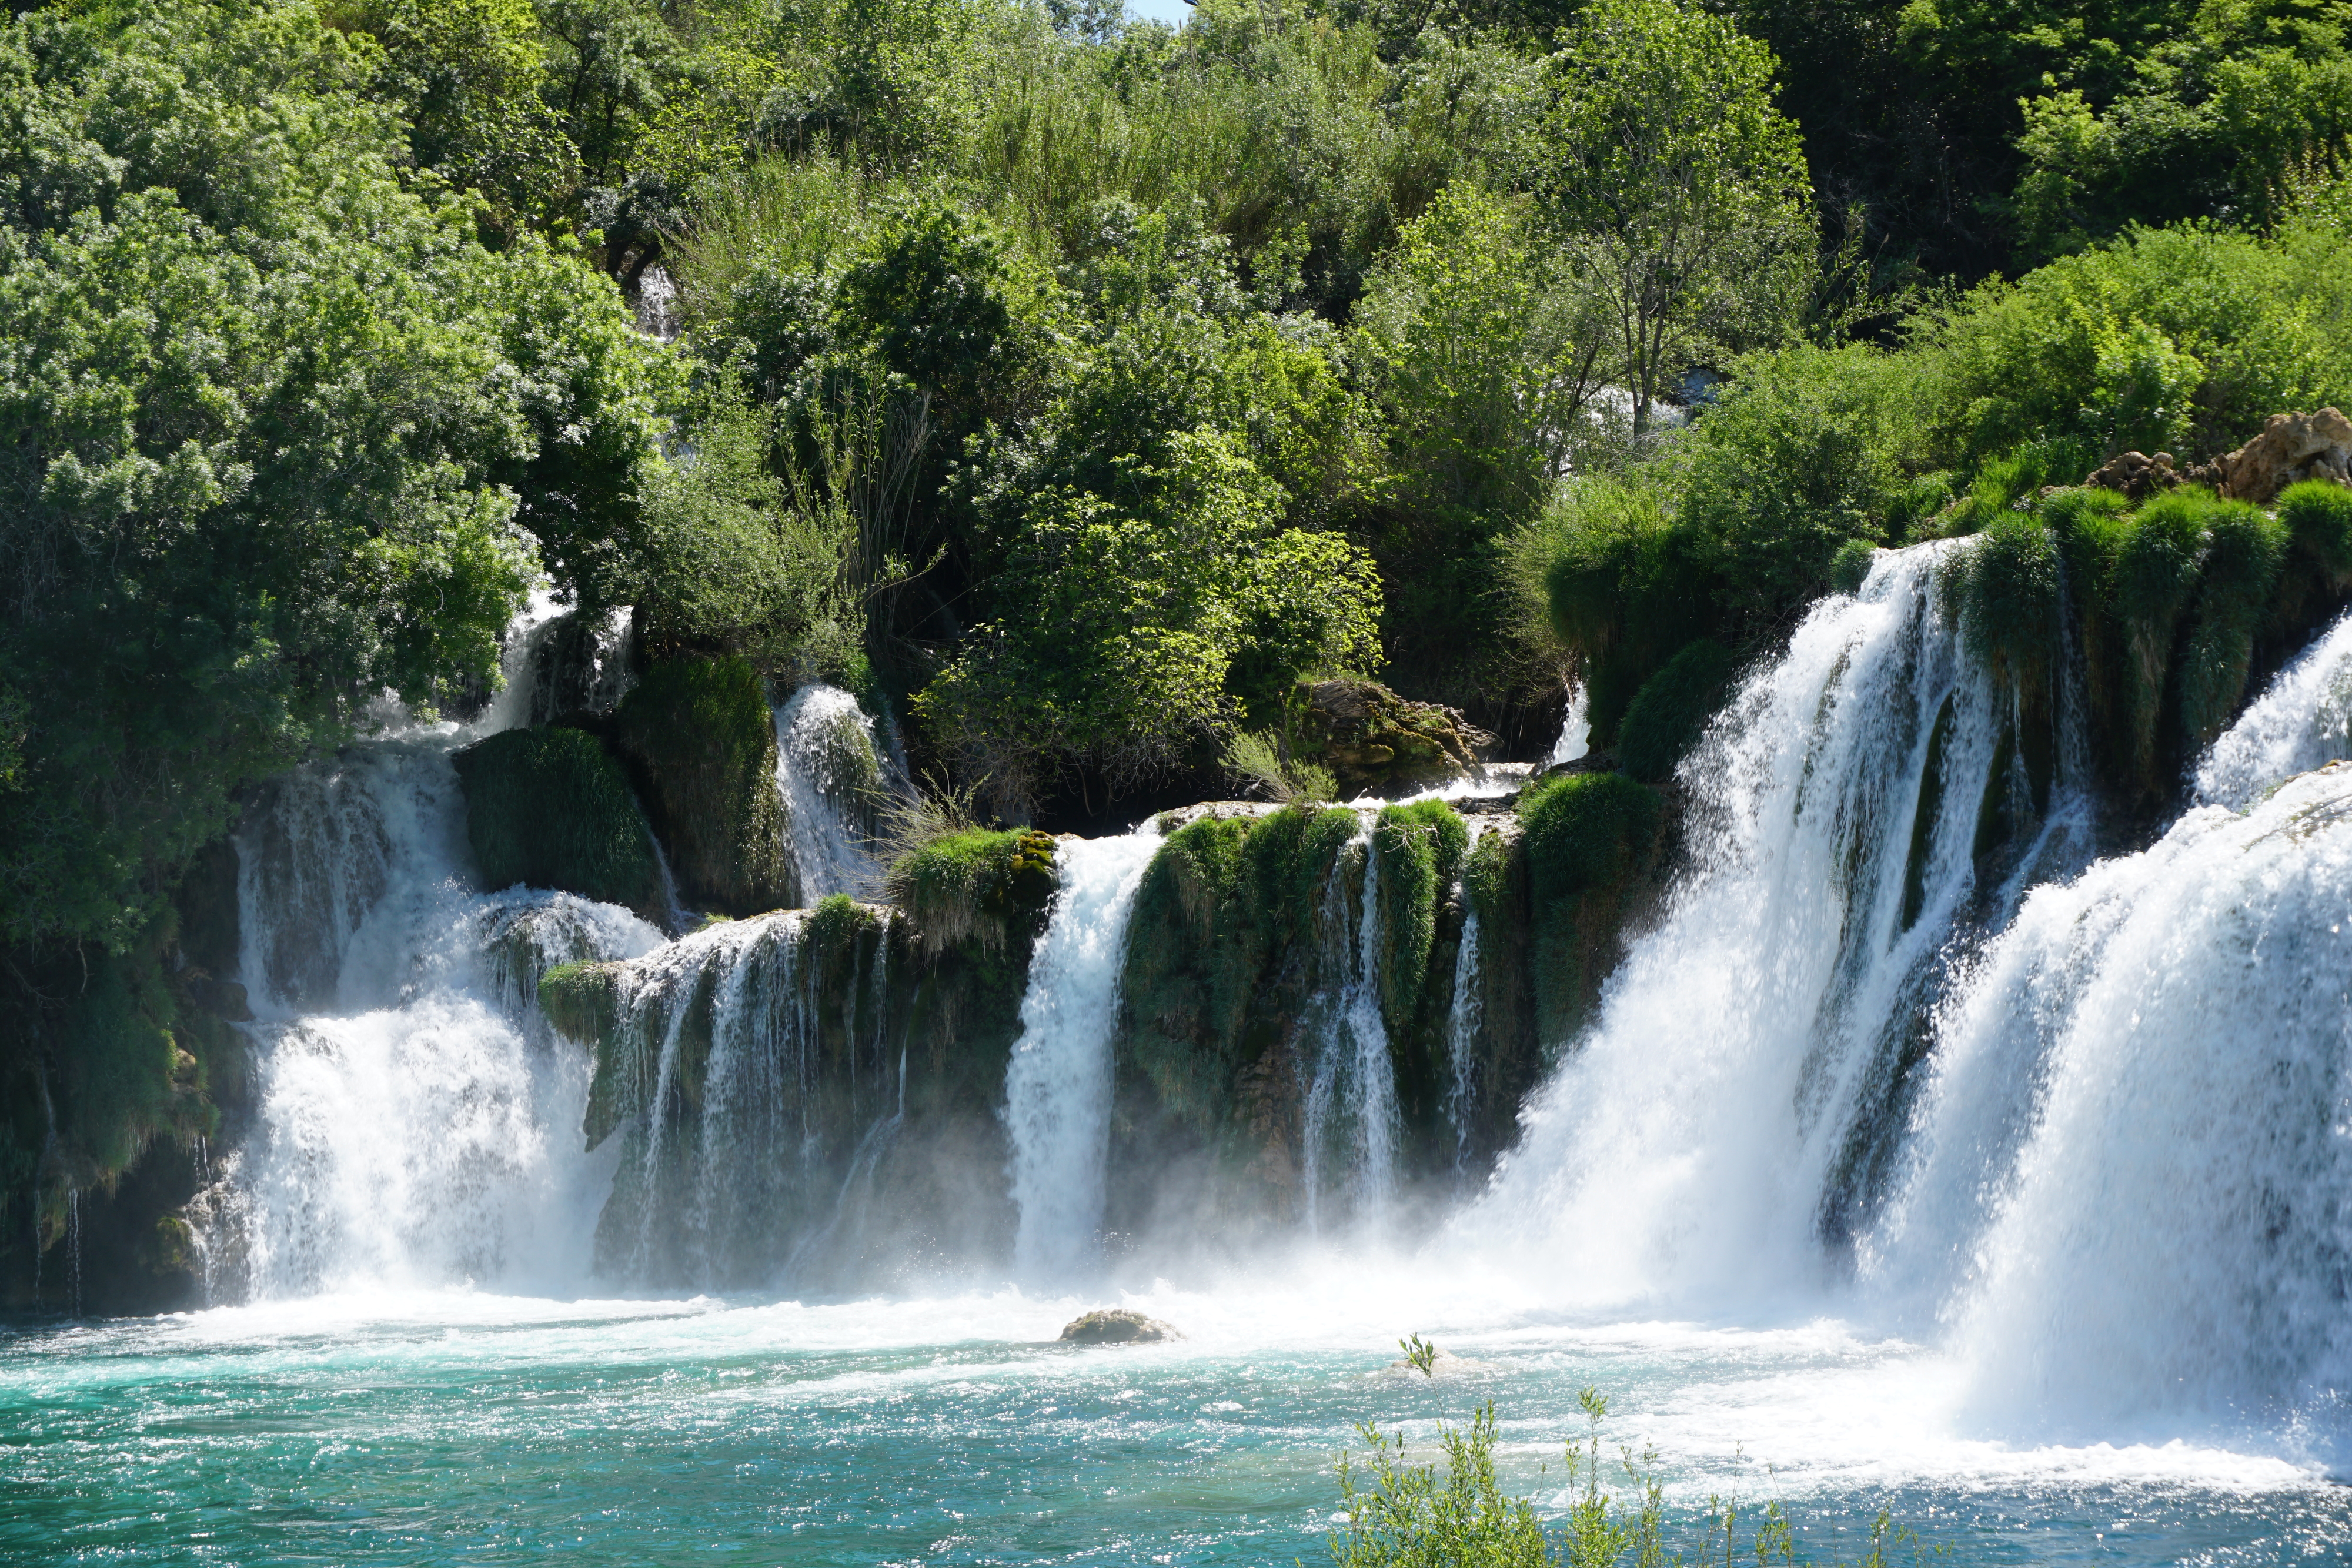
(971, 886)
(2238, 589)
(1420, 847)
(1588, 841)
(2009, 589)
(547, 807)
(1666, 717)
(2318, 515)
(699, 732)
(1486, 878)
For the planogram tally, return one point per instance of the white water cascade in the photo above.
(1734, 1102)
(2129, 1194)
(829, 770)
(1057, 1085)
(416, 1124)
(1351, 1096)
(1575, 728)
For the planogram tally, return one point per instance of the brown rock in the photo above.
(2291, 448)
(2137, 475)
(1117, 1326)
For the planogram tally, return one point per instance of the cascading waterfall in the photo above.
(1464, 1019)
(415, 1117)
(1057, 1085)
(1736, 1096)
(2130, 1178)
(1352, 1098)
(829, 768)
(1575, 728)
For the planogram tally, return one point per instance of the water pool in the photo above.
(458, 1427)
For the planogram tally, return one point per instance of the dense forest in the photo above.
(1081, 391)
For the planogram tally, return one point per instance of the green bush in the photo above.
(547, 807)
(2237, 596)
(1588, 841)
(1667, 715)
(702, 738)
(2010, 587)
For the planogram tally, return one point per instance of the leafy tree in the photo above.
(1676, 183)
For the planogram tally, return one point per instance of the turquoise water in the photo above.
(471, 1428)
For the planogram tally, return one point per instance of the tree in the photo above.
(1676, 183)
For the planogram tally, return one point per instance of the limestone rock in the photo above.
(1117, 1326)
(1371, 738)
(2292, 447)
(2137, 475)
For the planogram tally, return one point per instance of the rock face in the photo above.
(2293, 447)
(704, 747)
(1117, 1326)
(547, 808)
(1372, 737)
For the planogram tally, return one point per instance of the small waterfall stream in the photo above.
(829, 768)
(1057, 1085)
(1352, 1133)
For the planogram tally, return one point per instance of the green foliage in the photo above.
(1681, 189)
(2181, 340)
(547, 807)
(1666, 716)
(1411, 1517)
(278, 424)
(2010, 584)
(1850, 567)
(1256, 759)
(1120, 626)
(2237, 595)
(1621, 588)
(703, 742)
(1803, 450)
(1420, 847)
(969, 886)
(2318, 516)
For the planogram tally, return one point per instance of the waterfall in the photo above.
(414, 1121)
(829, 770)
(556, 662)
(1737, 1098)
(1351, 1099)
(1057, 1084)
(1575, 728)
(743, 1056)
(2129, 1178)
(1464, 1019)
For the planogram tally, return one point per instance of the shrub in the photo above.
(1666, 716)
(2236, 596)
(547, 807)
(2008, 586)
(2318, 515)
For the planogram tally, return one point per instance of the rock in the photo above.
(704, 744)
(2292, 447)
(547, 807)
(2135, 475)
(1117, 1326)
(1371, 738)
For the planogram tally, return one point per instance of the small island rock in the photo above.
(1117, 1326)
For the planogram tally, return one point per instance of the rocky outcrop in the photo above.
(2293, 447)
(1117, 1326)
(1373, 739)
(703, 743)
(2135, 475)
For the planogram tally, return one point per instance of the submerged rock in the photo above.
(1117, 1326)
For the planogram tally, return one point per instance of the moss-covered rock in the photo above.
(1373, 739)
(1591, 842)
(700, 735)
(1667, 715)
(550, 808)
(1421, 848)
(976, 887)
